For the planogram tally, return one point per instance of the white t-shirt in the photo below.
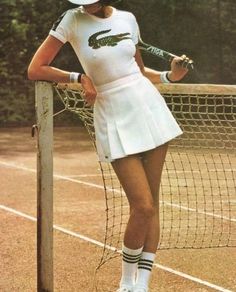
(104, 46)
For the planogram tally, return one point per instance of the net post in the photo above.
(44, 117)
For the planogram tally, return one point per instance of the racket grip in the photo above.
(169, 57)
(163, 54)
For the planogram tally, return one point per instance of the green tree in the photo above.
(204, 30)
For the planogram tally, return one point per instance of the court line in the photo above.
(169, 171)
(100, 244)
(198, 211)
(57, 176)
(86, 175)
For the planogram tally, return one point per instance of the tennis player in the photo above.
(133, 124)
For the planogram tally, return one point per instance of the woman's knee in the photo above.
(145, 211)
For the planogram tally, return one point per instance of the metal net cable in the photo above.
(198, 189)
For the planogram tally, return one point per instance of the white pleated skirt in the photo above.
(131, 116)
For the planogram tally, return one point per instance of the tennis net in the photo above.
(198, 189)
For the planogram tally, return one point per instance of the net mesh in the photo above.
(198, 188)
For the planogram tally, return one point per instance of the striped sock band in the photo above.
(145, 264)
(129, 265)
(144, 270)
(131, 259)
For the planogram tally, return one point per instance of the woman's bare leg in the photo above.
(132, 177)
(153, 162)
(140, 179)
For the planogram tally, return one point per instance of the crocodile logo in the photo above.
(110, 41)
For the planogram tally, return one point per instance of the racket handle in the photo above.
(162, 54)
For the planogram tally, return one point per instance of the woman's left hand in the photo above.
(178, 68)
(89, 90)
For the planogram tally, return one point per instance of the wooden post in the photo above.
(44, 116)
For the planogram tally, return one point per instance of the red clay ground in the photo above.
(80, 208)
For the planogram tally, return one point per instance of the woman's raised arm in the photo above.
(40, 69)
(176, 73)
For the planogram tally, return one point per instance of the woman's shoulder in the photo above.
(126, 14)
(67, 19)
(74, 11)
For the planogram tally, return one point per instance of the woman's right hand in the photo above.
(90, 92)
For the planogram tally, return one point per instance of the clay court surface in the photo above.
(79, 208)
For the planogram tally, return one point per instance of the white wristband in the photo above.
(74, 77)
(164, 78)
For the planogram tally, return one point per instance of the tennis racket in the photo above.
(162, 54)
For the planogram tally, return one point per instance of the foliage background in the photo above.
(204, 30)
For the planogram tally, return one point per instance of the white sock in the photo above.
(129, 266)
(144, 270)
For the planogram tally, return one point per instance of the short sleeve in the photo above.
(62, 28)
(135, 30)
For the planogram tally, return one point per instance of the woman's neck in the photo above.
(104, 12)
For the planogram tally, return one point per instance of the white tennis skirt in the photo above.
(131, 116)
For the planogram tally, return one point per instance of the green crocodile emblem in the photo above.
(110, 41)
